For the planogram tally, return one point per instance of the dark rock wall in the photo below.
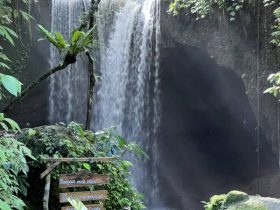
(212, 98)
(33, 110)
(207, 142)
(234, 45)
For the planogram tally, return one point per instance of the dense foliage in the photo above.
(8, 18)
(201, 8)
(73, 141)
(13, 170)
(13, 164)
(8, 83)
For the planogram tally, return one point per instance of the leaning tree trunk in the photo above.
(35, 84)
(67, 61)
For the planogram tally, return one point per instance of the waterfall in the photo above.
(68, 88)
(128, 94)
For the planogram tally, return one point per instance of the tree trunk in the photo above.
(91, 83)
(91, 69)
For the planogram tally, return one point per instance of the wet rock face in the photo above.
(233, 45)
(207, 138)
(211, 103)
(33, 109)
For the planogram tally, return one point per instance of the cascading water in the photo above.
(128, 95)
(68, 88)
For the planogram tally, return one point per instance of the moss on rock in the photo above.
(235, 200)
(234, 197)
(216, 202)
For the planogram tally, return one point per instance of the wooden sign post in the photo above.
(99, 195)
(89, 207)
(82, 179)
(76, 180)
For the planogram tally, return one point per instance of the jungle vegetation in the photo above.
(22, 149)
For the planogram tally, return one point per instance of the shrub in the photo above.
(73, 141)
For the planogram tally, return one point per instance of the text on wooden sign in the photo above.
(89, 207)
(84, 196)
(82, 180)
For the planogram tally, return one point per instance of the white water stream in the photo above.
(68, 88)
(128, 95)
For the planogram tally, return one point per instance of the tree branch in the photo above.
(67, 61)
(35, 84)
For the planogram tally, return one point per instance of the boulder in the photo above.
(236, 200)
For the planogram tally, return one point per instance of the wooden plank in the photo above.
(89, 207)
(47, 191)
(85, 159)
(82, 179)
(49, 169)
(99, 195)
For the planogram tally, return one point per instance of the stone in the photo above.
(236, 200)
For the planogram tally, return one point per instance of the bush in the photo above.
(13, 170)
(73, 141)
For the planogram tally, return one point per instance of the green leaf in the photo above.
(78, 205)
(60, 40)
(87, 166)
(2, 116)
(4, 126)
(26, 16)
(10, 31)
(31, 132)
(75, 36)
(121, 141)
(4, 206)
(127, 163)
(12, 123)
(3, 65)
(48, 35)
(7, 33)
(4, 57)
(11, 84)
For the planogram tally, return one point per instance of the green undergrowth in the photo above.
(73, 141)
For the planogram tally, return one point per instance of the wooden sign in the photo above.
(82, 179)
(84, 196)
(89, 207)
